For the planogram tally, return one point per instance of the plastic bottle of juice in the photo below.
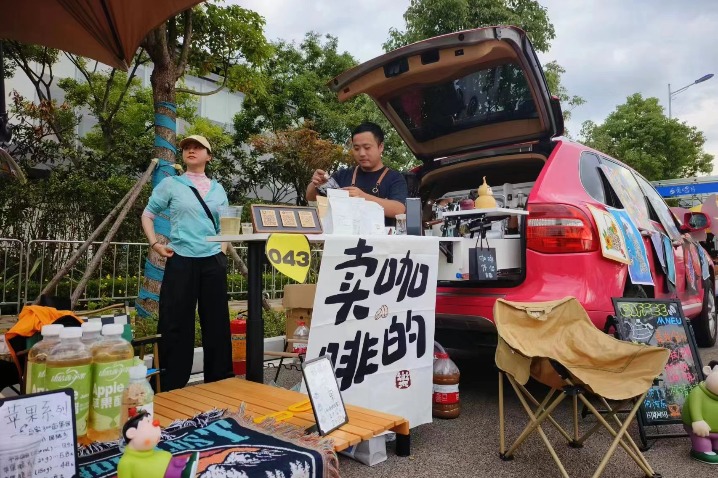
(37, 357)
(138, 394)
(112, 358)
(69, 365)
(300, 333)
(91, 333)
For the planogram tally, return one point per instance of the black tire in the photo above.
(705, 326)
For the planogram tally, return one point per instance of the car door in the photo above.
(460, 92)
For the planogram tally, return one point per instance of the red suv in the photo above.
(475, 104)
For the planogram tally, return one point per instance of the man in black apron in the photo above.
(370, 179)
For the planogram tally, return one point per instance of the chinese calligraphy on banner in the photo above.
(374, 317)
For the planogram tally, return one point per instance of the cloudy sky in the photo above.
(609, 48)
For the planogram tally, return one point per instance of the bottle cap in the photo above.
(441, 355)
(71, 333)
(113, 329)
(300, 323)
(138, 372)
(91, 327)
(52, 330)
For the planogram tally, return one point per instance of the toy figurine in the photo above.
(700, 417)
(142, 459)
(485, 200)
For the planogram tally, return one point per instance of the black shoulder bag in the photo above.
(206, 208)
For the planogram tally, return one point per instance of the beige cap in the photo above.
(197, 138)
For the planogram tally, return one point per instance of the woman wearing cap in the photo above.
(195, 272)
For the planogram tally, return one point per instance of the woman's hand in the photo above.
(164, 251)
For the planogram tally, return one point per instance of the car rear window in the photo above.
(591, 177)
(482, 97)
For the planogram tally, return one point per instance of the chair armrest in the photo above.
(150, 339)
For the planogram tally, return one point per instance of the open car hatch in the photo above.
(460, 92)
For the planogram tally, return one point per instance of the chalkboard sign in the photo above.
(323, 391)
(482, 264)
(661, 322)
(37, 435)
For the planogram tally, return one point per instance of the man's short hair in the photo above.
(369, 127)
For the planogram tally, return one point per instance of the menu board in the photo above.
(327, 403)
(37, 435)
(660, 322)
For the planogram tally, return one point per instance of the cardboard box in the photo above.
(298, 304)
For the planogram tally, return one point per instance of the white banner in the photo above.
(374, 317)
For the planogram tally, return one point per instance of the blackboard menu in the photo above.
(660, 322)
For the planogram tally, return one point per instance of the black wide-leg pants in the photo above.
(191, 283)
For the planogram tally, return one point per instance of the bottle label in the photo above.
(35, 381)
(109, 381)
(76, 377)
(148, 407)
(300, 348)
(446, 394)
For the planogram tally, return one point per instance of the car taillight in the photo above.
(559, 228)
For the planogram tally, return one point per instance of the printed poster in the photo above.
(705, 268)
(689, 258)
(658, 247)
(670, 258)
(613, 244)
(374, 317)
(638, 269)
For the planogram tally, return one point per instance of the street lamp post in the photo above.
(671, 94)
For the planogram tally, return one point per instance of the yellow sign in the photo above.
(290, 255)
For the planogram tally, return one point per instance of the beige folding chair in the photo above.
(556, 344)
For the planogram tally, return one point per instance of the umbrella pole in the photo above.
(5, 133)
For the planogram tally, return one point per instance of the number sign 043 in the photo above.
(290, 255)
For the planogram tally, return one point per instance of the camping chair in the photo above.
(298, 301)
(557, 344)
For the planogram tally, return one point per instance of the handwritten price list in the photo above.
(44, 424)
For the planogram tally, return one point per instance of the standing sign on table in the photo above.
(374, 317)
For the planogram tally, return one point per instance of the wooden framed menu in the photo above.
(267, 218)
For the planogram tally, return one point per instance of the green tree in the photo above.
(429, 18)
(553, 72)
(639, 134)
(224, 40)
(298, 152)
(291, 90)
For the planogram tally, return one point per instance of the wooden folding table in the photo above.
(260, 399)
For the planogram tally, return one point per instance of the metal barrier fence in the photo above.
(25, 269)
(12, 254)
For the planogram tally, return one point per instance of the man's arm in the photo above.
(318, 178)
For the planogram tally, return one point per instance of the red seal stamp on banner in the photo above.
(403, 379)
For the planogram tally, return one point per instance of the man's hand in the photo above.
(701, 428)
(319, 177)
(164, 251)
(355, 192)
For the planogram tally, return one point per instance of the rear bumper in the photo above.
(587, 277)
